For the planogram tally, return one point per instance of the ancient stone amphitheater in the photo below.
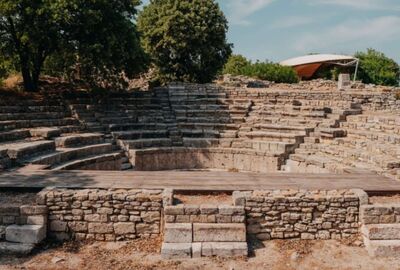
(284, 163)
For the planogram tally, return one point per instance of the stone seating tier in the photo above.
(205, 158)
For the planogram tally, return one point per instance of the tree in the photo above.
(186, 39)
(101, 42)
(27, 36)
(235, 64)
(377, 68)
(98, 36)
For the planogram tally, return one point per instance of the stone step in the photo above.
(283, 128)
(32, 115)
(207, 249)
(26, 234)
(140, 134)
(331, 132)
(221, 232)
(25, 149)
(200, 133)
(90, 161)
(67, 154)
(200, 142)
(381, 231)
(273, 136)
(383, 248)
(271, 146)
(14, 135)
(79, 139)
(8, 248)
(147, 143)
(45, 132)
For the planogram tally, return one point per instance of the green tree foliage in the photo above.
(97, 36)
(186, 39)
(235, 64)
(27, 36)
(377, 68)
(239, 65)
(271, 72)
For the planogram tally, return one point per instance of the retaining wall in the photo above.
(302, 214)
(103, 214)
(205, 158)
(109, 215)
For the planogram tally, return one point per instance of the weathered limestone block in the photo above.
(100, 228)
(26, 234)
(58, 226)
(381, 231)
(178, 233)
(176, 250)
(227, 249)
(219, 232)
(122, 228)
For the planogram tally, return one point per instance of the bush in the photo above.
(270, 72)
(235, 64)
(377, 68)
(186, 39)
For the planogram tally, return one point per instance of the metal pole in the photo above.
(356, 71)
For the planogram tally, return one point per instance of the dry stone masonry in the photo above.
(104, 215)
(301, 214)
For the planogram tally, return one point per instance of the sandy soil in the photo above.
(385, 199)
(143, 254)
(213, 198)
(17, 198)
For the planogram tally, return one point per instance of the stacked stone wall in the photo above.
(302, 214)
(109, 215)
(105, 215)
(199, 158)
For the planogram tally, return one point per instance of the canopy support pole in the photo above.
(356, 71)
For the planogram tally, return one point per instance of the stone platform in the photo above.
(196, 180)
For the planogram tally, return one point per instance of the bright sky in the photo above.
(280, 29)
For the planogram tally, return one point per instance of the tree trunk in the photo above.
(29, 84)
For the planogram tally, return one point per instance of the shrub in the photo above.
(235, 64)
(377, 68)
(271, 72)
(186, 39)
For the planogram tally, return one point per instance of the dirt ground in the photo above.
(17, 198)
(144, 255)
(213, 199)
(385, 199)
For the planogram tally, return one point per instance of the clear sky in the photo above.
(280, 29)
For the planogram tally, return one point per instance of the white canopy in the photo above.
(316, 58)
(306, 66)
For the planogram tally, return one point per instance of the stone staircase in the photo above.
(21, 228)
(369, 143)
(381, 229)
(193, 231)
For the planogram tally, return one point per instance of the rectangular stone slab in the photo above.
(222, 232)
(27, 234)
(224, 249)
(383, 248)
(8, 248)
(178, 233)
(381, 231)
(176, 250)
